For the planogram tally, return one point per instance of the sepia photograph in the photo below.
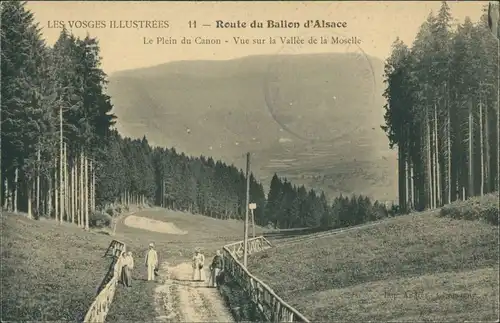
(246, 161)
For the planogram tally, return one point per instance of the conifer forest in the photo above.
(442, 111)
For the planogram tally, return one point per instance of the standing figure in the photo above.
(130, 267)
(120, 262)
(198, 264)
(124, 270)
(151, 261)
(215, 268)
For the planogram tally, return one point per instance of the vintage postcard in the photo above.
(316, 161)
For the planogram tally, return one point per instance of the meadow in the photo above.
(419, 267)
(439, 265)
(49, 271)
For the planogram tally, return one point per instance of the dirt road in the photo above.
(178, 299)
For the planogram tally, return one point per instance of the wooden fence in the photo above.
(106, 292)
(254, 245)
(272, 307)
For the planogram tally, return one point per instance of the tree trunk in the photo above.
(49, 195)
(78, 190)
(497, 186)
(38, 181)
(412, 186)
(86, 194)
(61, 161)
(73, 191)
(56, 193)
(437, 174)
(430, 194)
(16, 189)
(498, 117)
(92, 187)
(408, 186)
(69, 191)
(66, 184)
(28, 194)
(498, 148)
(7, 200)
(81, 195)
(448, 151)
(471, 152)
(481, 143)
(487, 148)
(43, 196)
(401, 178)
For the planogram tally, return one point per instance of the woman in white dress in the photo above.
(198, 266)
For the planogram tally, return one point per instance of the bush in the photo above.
(110, 211)
(99, 220)
(480, 207)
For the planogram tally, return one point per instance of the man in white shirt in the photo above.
(151, 262)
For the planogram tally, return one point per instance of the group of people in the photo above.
(151, 263)
(127, 265)
(216, 268)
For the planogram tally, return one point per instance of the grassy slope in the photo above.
(51, 272)
(223, 104)
(417, 267)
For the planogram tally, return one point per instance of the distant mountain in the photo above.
(313, 118)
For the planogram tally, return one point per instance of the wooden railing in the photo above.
(270, 305)
(115, 249)
(106, 292)
(254, 245)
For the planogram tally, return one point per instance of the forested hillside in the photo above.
(442, 111)
(213, 188)
(62, 157)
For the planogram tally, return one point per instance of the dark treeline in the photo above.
(289, 206)
(201, 185)
(134, 169)
(442, 111)
(62, 158)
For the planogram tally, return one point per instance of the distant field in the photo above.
(51, 272)
(417, 267)
(335, 168)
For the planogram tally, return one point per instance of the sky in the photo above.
(376, 24)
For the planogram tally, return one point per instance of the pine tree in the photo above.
(23, 112)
